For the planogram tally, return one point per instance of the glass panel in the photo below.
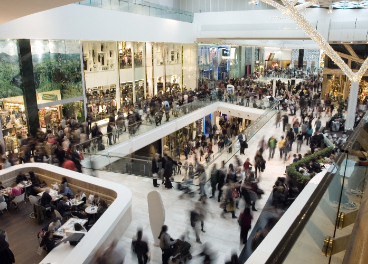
(57, 69)
(320, 225)
(11, 93)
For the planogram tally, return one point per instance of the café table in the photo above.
(25, 185)
(68, 226)
(75, 202)
(54, 194)
(92, 210)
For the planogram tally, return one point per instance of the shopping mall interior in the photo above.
(183, 131)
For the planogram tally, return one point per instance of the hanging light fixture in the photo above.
(330, 8)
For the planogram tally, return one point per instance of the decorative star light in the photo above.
(292, 9)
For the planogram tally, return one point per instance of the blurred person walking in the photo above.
(245, 223)
(140, 247)
(214, 179)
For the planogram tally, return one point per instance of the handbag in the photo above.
(40, 251)
(154, 175)
(245, 144)
(234, 193)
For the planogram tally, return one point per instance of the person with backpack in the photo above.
(245, 223)
(214, 179)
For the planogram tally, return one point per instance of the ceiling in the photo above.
(301, 44)
(13, 9)
(339, 4)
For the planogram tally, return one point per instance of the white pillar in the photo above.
(352, 105)
(274, 88)
(118, 90)
(83, 83)
(133, 72)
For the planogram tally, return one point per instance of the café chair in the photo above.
(3, 206)
(18, 199)
(33, 200)
(58, 215)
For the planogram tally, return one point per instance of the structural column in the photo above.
(274, 88)
(118, 90)
(133, 72)
(352, 104)
(28, 85)
(253, 56)
(83, 81)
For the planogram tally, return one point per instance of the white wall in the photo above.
(91, 23)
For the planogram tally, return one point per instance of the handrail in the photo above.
(284, 243)
(112, 156)
(248, 128)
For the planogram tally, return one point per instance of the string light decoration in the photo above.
(292, 10)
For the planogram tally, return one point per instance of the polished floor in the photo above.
(221, 234)
(22, 233)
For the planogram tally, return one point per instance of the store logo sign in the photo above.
(49, 97)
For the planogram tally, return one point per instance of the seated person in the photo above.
(81, 196)
(304, 172)
(16, 190)
(316, 166)
(102, 207)
(48, 242)
(54, 225)
(20, 177)
(321, 159)
(64, 207)
(1, 186)
(310, 167)
(96, 200)
(64, 190)
(303, 167)
(79, 227)
(2, 198)
(64, 182)
(37, 185)
(46, 200)
(76, 211)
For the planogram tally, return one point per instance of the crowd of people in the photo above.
(235, 183)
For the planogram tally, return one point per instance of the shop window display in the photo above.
(208, 64)
(99, 56)
(126, 94)
(139, 91)
(138, 54)
(57, 66)
(101, 102)
(125, 55)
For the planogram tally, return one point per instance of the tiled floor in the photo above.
(222, 234)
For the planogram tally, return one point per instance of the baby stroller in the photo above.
(158, 118)
(181, 251)
(185, 188)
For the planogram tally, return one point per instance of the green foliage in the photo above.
(7, 73)
(292, 168)
(62, 74)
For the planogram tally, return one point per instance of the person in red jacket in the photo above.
(68, 164)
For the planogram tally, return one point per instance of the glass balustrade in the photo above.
(324, 228)
(132, 129)
(142, 8)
